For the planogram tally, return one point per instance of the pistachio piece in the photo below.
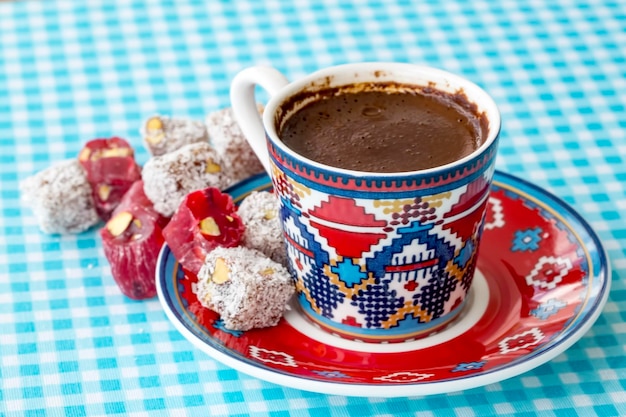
(209, 227)
(104, 191)
(269, 214)
(84, 154)
(154, 130)
(119, 223)
(221, 271)
(212, 167)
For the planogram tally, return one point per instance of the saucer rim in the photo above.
(563, 340)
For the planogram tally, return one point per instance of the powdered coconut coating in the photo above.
(259, 212)
(60, 198)
(245, 287)
(228, 139)
(162, 134)
(169, 178)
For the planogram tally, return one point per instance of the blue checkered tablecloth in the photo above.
(71, 345)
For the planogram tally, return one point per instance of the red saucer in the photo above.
(542, 282)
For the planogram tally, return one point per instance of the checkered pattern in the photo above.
(72, 345)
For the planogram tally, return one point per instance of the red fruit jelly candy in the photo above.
(110, 161)
(106, 198)
(135, 200)
(131, 243)
(111, 170)
(204, 220)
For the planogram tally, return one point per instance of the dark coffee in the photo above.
(384, 127)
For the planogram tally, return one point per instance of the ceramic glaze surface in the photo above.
(382, 258)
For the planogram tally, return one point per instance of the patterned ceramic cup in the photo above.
(376, 257)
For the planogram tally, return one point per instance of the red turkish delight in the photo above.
(131, 240)
(109, 160)
(111, 170)
(135, 200)
(205, 219)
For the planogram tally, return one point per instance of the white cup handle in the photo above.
(245, 109)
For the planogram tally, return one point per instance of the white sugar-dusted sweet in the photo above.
(259, 212)
(228, 139)
(162, 134)
(169, 178)
(60, 198)
(245, 287)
